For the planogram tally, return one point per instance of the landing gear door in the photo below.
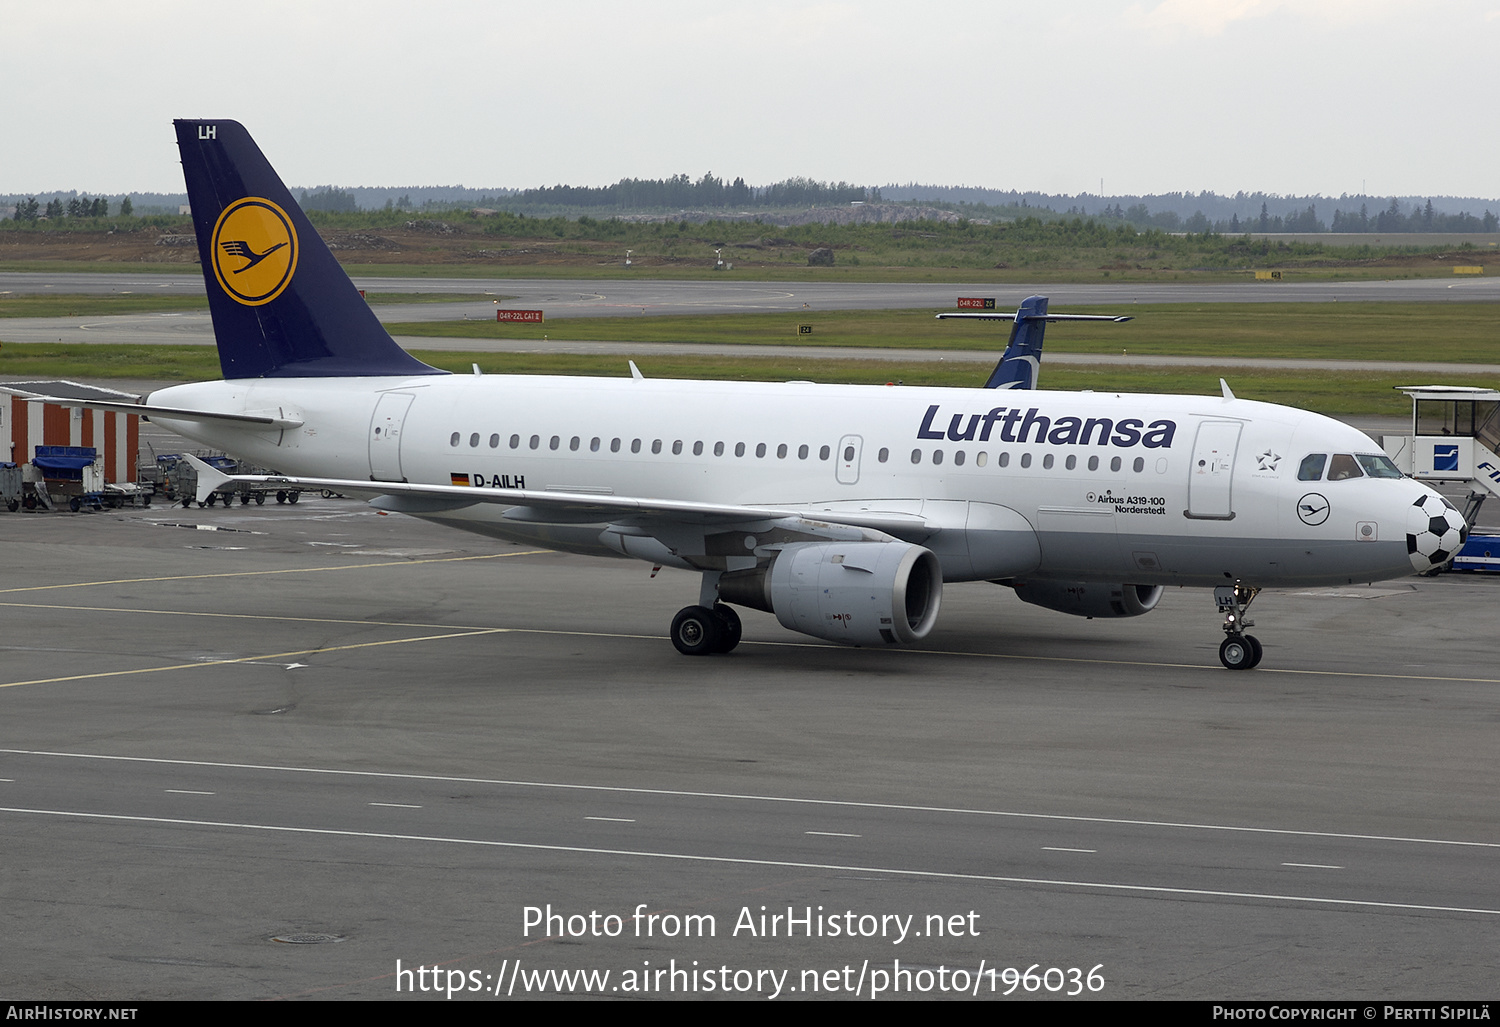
(847, 459)
(385, 436)
(1211, 477)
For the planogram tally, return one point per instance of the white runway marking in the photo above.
(836, 803)
(1140, 889)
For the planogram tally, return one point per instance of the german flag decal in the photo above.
(459, 479)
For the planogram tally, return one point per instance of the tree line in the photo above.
(78, 207)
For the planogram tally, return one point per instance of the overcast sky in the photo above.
(1287, 96)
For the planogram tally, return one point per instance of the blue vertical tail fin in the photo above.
(1022, 360)
(282, 306)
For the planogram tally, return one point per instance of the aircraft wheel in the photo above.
(696, 631)
(730, 636)
(1237, 652)
(1256, 651)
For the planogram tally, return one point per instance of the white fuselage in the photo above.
(1116, 487)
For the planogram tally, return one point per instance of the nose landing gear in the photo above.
(1238, 651)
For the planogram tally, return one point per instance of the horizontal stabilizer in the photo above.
(1021, 363)
(149, 410)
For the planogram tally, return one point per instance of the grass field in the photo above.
(1438, 332)
(1448, 332)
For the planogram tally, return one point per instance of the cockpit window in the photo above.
(1378, 465)
(1343, 466)
(1312, 467)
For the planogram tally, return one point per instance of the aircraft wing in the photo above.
(573, 506)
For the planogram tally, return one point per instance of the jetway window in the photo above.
(1487, 423)
(1445, 417)
(1312, 467)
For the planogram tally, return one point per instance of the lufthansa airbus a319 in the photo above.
(841, 509)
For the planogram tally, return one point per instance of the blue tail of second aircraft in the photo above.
(282, 306)
(1022, 359)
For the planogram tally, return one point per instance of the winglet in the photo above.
(635, 372)
(1225, 386)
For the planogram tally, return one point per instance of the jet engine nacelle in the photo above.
(862, 593)
(1089, 598)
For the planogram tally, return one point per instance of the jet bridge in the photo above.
(1455, 438)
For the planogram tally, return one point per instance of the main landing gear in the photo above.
(1238, 651)
(699, 630)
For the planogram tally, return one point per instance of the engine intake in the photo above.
(862, 593)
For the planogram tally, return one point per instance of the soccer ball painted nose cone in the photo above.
(1434, 532)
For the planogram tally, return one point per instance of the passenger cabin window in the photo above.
(1312, 467)
(1343, 466)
